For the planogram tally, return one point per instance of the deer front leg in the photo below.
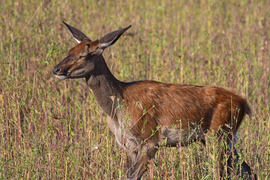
(139, 159)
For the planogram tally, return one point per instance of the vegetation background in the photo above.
(52, 129)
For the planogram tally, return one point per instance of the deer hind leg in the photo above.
(243, 168)
(223, 125)
(139, 159)
(226, 126)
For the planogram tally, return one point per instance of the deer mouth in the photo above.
(61, 74)
(62, 77)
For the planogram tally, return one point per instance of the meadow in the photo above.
(53, 129)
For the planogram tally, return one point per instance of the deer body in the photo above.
(145, 115)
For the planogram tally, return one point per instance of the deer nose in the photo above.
(55, 70)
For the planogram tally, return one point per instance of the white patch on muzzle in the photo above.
(61, 77)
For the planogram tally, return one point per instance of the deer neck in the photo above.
(106, 88)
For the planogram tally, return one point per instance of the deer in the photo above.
(146, 115)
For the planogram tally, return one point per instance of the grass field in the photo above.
(52, 129)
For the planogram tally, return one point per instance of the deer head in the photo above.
(82, 60)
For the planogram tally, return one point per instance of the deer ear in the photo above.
(77, 34)
(111, 38)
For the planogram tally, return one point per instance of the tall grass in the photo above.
(51, 129)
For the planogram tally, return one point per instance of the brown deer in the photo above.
(145, 115)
